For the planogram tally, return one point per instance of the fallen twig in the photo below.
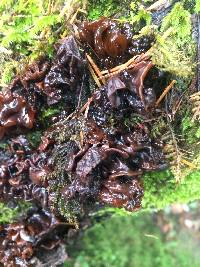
(95, 68)
(166, 90)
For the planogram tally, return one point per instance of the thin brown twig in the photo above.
(74, 16)
(95, 68)
(122, 66)
(166, 90)
(177, 106)
(101, 76)
(109, 75)
(80, 93)
(94, 76)
(129, 64)
(49, 7)
(81, 138)
(86, 104)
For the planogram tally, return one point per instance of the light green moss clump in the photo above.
(197, 6)
(102, 8)
(162, 190)
(174, 44)
(8, 214)
(29, 29)
(131, 241)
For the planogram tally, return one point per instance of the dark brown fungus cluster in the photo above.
(113, 41)
(44, 84)
(20, 240)
(21, 171)
(105, 37)
(66, 76)
(93, 156)
(14, 111)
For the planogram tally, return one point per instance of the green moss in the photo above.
(174, 48)
(63, 134)
(8, 70)
(49, 112)
(22, 29)
(179, 20)
(130, 241)
(162, 190)
(132, 11)
(30, 28)
(191, 5)
(174, 45)
(46, 113)
(190, 130)
(138, 16)
(34, 138)
(101, 8)
(197, 6)
(22, 22)
(157, 128)
(8, 215)
(133, 120)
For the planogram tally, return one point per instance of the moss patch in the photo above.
(8, 214)
(162, 190)
(130, 241)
